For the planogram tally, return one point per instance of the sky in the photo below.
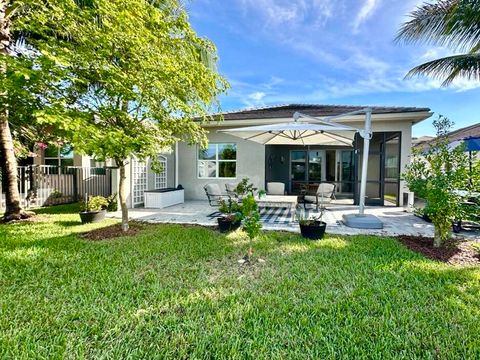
(326, 52)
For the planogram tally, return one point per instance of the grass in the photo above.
(178, 292)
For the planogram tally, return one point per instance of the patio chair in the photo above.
(231, 187)
(214, 194)
(324, 195)
(275, 188)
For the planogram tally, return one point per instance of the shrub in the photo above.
(231, 209)
(94, 203)
(112, 203)
(435, 174)
(245, 187)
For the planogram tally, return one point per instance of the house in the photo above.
(228, 159)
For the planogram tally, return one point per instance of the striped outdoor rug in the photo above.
(278, 215)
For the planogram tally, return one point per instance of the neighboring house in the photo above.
(228, 159)
(455, 135)
(421, 139)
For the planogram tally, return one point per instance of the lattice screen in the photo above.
(139, 178)
(161, 178)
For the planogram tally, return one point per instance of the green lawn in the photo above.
(178, 292)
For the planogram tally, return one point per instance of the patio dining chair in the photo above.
(214, 194)
(325, 194)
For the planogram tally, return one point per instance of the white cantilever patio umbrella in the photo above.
(321, 132)
(296, 133)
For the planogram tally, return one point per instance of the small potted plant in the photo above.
(232, 216)
(312, 228)
(93, 209)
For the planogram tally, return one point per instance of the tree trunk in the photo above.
(122, 195)
(437, 238)
(13, 210)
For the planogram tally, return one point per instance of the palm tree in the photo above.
(451, 23)
(8, 160)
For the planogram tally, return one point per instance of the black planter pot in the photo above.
(426, 218)
(225, 225)
(92, 216)
(314, 231)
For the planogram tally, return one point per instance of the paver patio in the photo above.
(396, 220)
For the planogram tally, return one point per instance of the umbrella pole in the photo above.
(366, 135)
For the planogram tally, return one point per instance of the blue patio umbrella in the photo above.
(471, 144)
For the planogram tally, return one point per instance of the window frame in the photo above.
(217, 161)
(59, 158)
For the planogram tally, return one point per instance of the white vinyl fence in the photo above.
(42, 185)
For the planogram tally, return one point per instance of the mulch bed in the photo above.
(111, 232)
(453, 252)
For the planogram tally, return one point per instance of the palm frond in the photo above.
(449, 68)
(452, 23)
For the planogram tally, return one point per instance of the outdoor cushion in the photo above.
(275, 188)
(324, 194)
(230, 187)
(213, 189)
(325, 190)
(313, 199)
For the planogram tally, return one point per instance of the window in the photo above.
(391, 166)
(97, 163)
(217, 161)
(59, 155)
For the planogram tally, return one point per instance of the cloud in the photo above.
(436, 53)
(277, 13)
(257, 96)
(366, 11)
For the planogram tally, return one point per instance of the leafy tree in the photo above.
(133, 76)
(25, 80)
(435, 174)
(251, 221)
(451, 23)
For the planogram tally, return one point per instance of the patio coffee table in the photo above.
(278, 201)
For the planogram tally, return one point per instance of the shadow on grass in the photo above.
(67, 224)
(59, 209)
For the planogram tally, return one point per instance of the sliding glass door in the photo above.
(383, 177)
(306, 167)
(346, 175)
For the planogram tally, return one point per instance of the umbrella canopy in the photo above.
(470, 143)
(296, 133)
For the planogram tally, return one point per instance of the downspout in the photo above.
(176, 164)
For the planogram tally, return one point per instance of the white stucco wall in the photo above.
(250, 163)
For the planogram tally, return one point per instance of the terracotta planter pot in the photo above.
(92, 216)
(314, 231)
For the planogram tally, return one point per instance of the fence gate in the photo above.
(139, 181)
